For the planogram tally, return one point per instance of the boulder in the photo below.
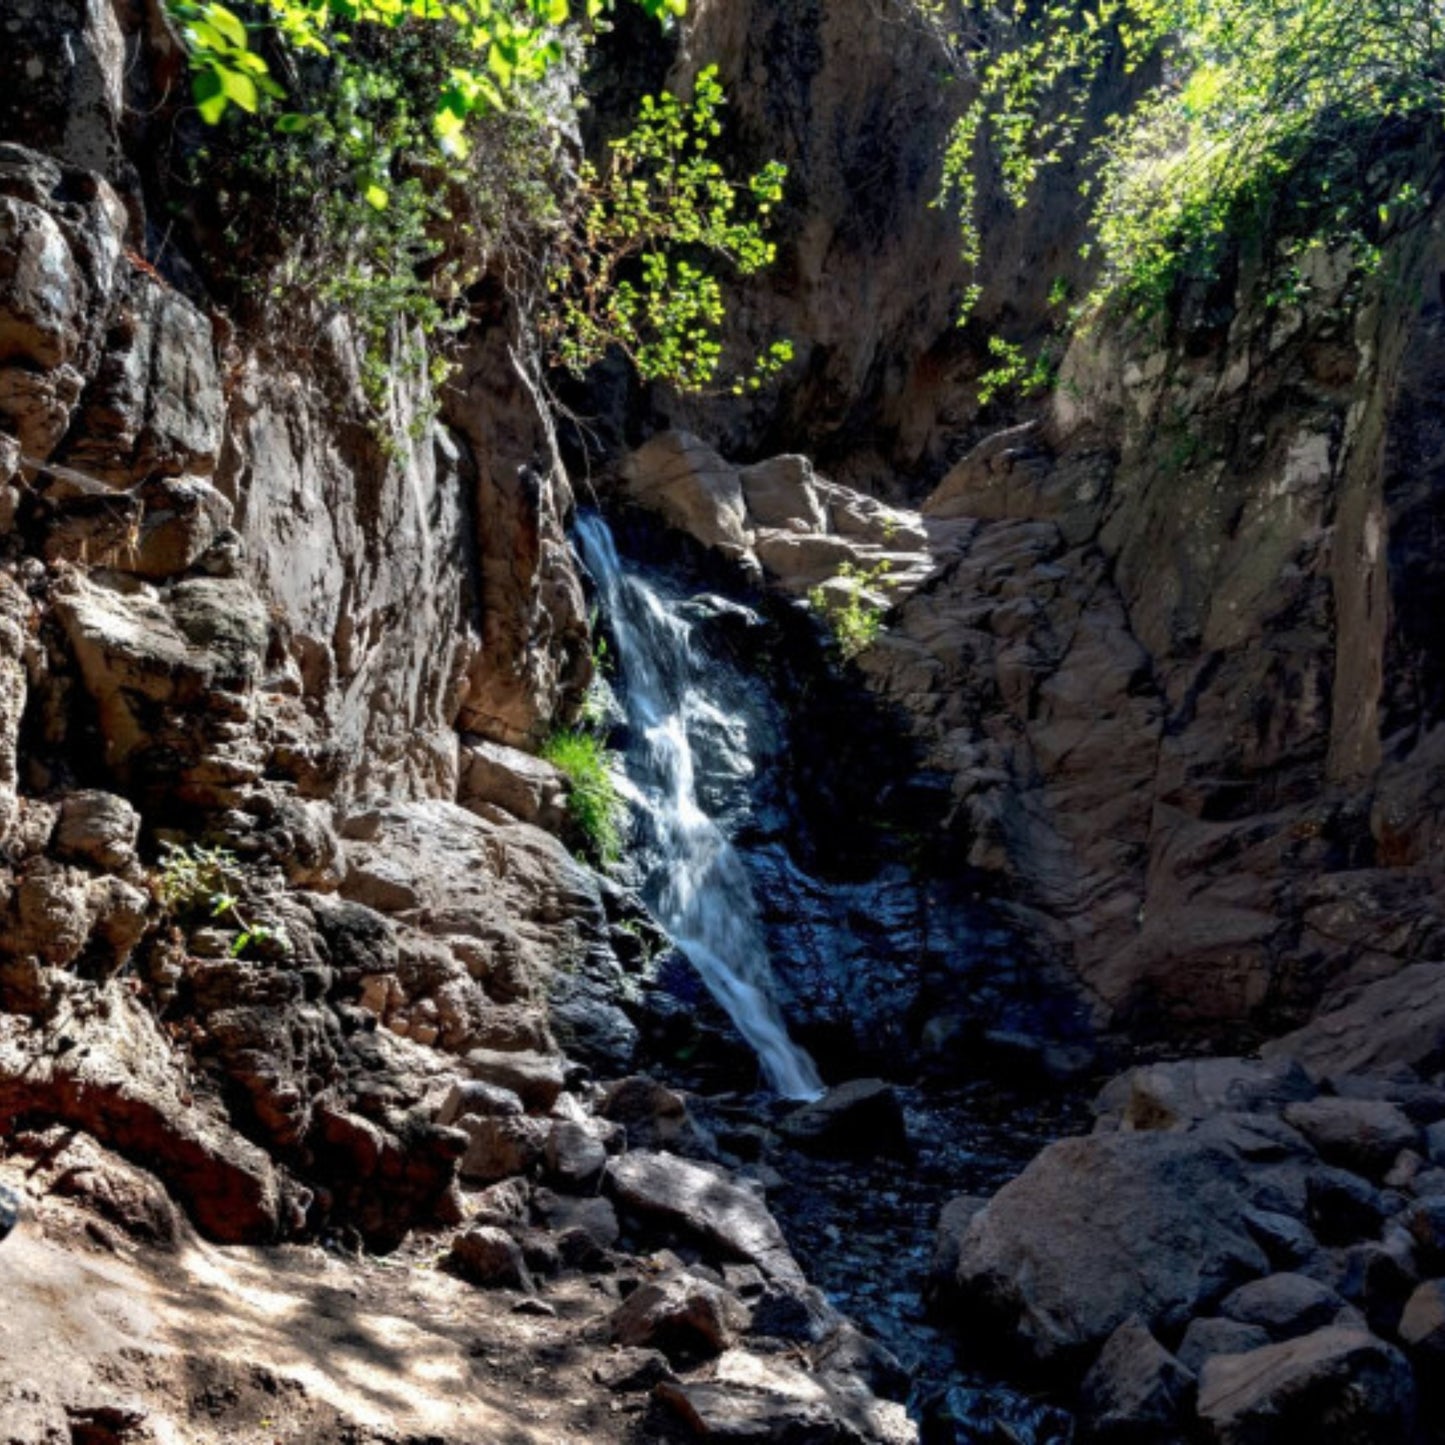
(500, 1147)
(574, 1157)
(1396, 1020)
(490, 1257)
(1283, 1305)
(537, 1079)
(1365, 1135)
(1210, 1335)
(653, 1115)
(1342, 1207)
(693, 489)
(1136, 1392)
(682, 1315)
(473, 1098)
(1338, 1384)
(628, 1370)
(1174, 1095)
(861, 1119)
(754, 1401)
(705, 1203)
(527, 787)
(1100, 1229)
(1422, 1325)
(783, 492)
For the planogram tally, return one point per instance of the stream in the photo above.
(698, 738)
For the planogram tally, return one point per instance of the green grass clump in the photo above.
(593, 802)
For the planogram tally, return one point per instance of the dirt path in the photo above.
(102, 1341)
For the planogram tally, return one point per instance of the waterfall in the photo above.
(694, 881)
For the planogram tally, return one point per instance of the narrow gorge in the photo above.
(553, 896)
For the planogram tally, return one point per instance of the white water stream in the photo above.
(695, 882)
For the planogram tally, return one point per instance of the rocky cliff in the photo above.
(1140, 743)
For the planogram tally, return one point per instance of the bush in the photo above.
(856, 619)
(593, 802)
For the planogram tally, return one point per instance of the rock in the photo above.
(782, 492)
(1426, 1222)
(1378, 1277)
(1286, 1240)
(596, 1218)
(1100, 1229)
(527, 787)
(115, 1084)
(1283, 1305)
(1360, 1134)
(1212, 1336)
(491, 1258)
(753, 1401)
(574, 1157)
(498, 1148)
(1343, 1207)
(654, 1116)
(471, 1098)
(1136, 1391)
(629, 1370)
(1399, 1019)
(97, 828)
(706, 1203)
(685, 1317)
(1422, 1325)
(858, 1120)
(535, 1078)
(953, 1222)
(799, 1313)
(691, 488)
(1169, 1096)
(1340, 1385)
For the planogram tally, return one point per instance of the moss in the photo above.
(593, 802)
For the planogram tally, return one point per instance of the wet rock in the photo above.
(1422, 1324)
(683, 1316)
(535, 1078)
(627, 1371)
(1337, 1384)
(1136, 1391)
(704, 1202)
(1099, 1229)
(1283, 1305)
(1212, 1336)
(1360, 1134)
(858, 1120)
(492, 1258)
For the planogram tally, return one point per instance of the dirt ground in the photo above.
(104, 1341)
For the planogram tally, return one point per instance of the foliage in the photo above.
(414, 144)
(209, 881)
(593, 802)
(629, 277)
(1266, 119)
(855, 619)
(1014, 371)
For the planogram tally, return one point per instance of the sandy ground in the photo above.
(103, 1341)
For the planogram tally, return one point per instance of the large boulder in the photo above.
(703, 1202)
(1101, 1228)
(1338, 1384)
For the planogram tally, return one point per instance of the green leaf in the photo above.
(228, 24)
(377, 197)
(210, 95)
(239, 88)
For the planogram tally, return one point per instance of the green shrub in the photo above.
(856, 619)
(593, 802)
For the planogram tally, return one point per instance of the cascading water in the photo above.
(694, 882)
